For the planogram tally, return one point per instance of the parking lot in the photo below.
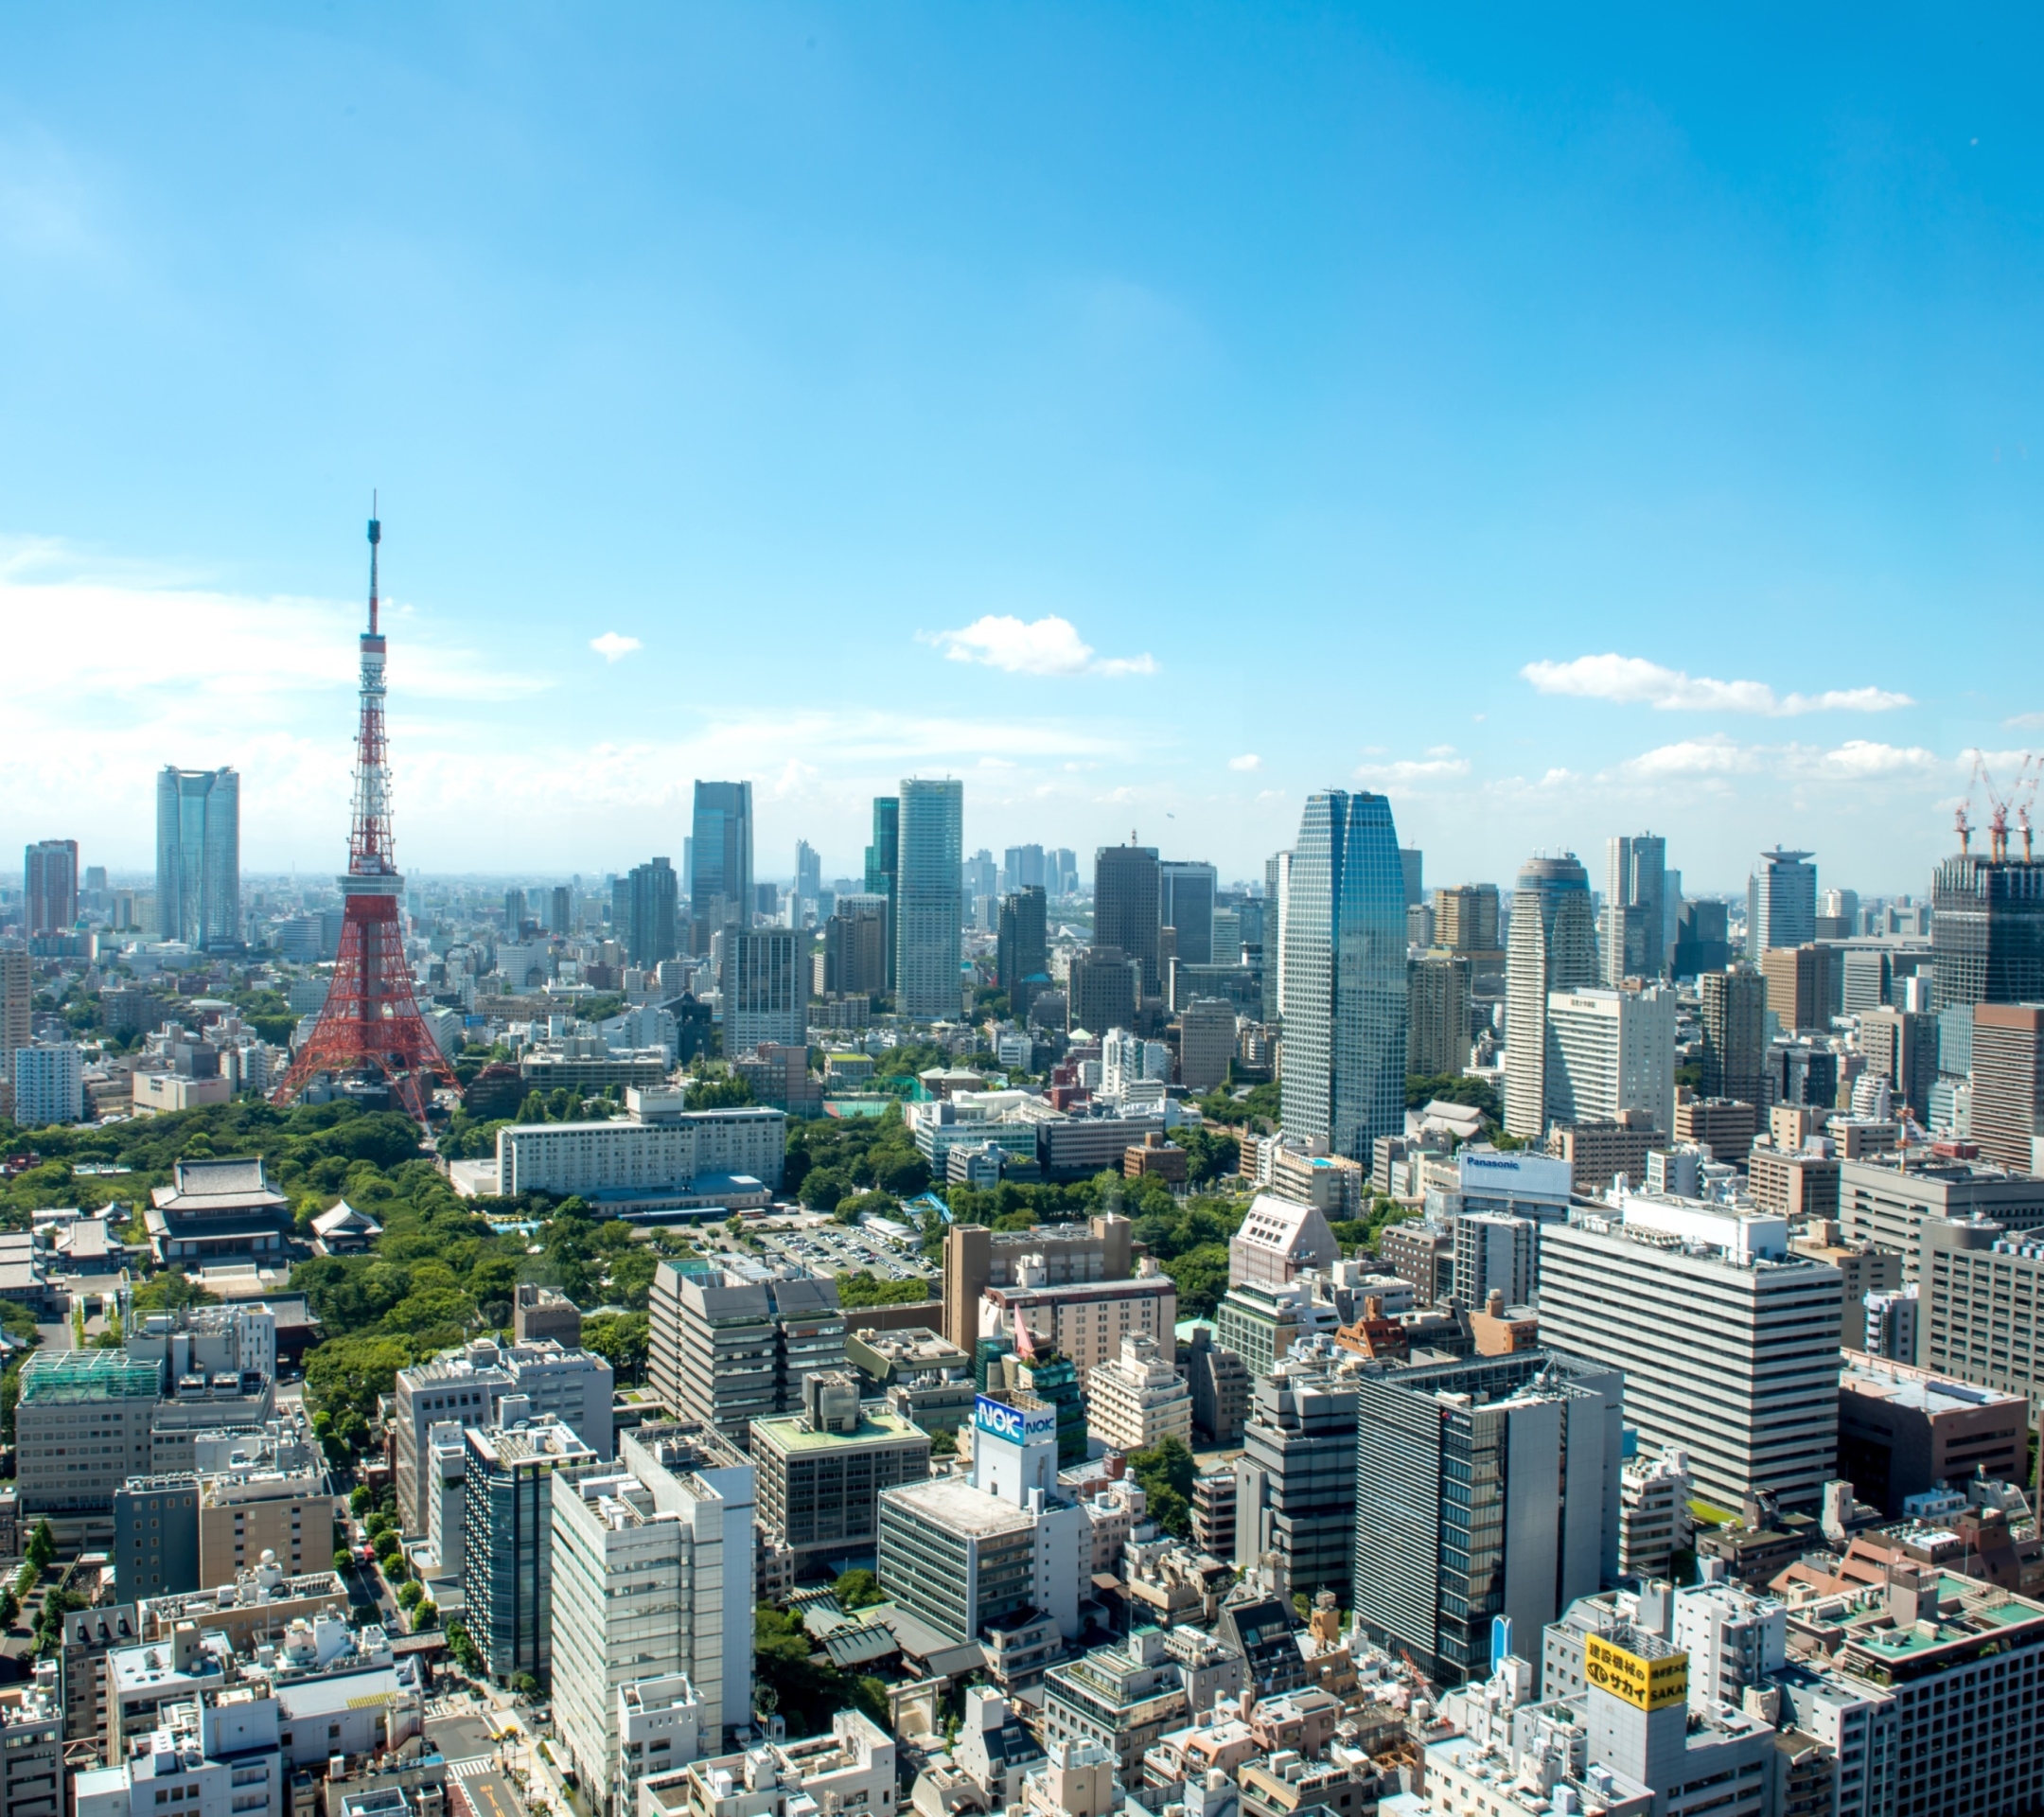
(840, 1249)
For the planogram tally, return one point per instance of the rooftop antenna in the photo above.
(376, 536)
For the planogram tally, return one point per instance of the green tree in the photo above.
(40, 1551)
(857, 1589)
(723, 1091)
(171, 1292)
(1165, 1472)
(867, 1289)
(621, 1340)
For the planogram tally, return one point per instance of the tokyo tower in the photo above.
(371, 1022)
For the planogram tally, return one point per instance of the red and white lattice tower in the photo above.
(371, 1021)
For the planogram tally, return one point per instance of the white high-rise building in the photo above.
(1729, 1341)
(652, 1577)
(928, 921)
(1611, 1051)
(49, 1085)
(1552, 947)
(1781, 902)
(1138, 1398)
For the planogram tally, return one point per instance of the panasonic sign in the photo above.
(1018, 1425)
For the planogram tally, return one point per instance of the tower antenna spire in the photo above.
(376, 536)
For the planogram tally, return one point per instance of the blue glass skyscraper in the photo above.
(1344, 976)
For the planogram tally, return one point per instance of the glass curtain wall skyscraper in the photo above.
(650, 896)
(1781, 902)
(1635, 907)
(1552, 947)
(929, 932)
(198, 856)
(1344, 960)
(721, 856)
(1186, 905)
(1126, 884)
(882, 863)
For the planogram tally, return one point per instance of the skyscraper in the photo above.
(883, 861)
(560, 912)
(808, 872)
(1185, 904)
(1022, 952)
(1781, 901)
(1553, 948)
(722, 886)
(1437, 1014)
(1636, 902)
(651, 897)
(929, 937)
(49, 887)
(1412, 871)
(1127, 885)
(198, 856)
(1466, 918)
(2008, 1082)
(1988, 930)
(1344, 976)
(766, 988)
(1022, 868)
(1277, 890)
(1734, 1033)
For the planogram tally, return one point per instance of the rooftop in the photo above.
(1908, 1388)
(955, 1504)
(877, 1425)
(68, 1377)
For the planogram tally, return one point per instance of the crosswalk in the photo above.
(476, 1763)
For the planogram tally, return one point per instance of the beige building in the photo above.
(1136, 1399)
(977, 1259)
(1087, 1320)
(246, 1514)
(1865, 1269)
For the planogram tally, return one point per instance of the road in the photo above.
(474, 1763)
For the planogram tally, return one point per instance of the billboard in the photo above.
(1018, 1425)
(1645, 1684)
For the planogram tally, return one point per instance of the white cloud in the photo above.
(1632, 680)
(1248, 760)
(1414, 770)
(1861, 757)
(2031, 720)
(1715, 755)
(611, 645)
(1048, 645)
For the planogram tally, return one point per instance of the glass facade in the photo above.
(1344, 976)
(1987, 933)
(929, 927)
(198, 856)
(720, 854)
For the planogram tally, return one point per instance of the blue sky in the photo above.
(1149, 414)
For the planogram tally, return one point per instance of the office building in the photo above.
(855, 947)
(1344, 1077)
(50, 1085)
(928, 934)
(821, 1470)
(1887, 1201)
(1102, 991)
(1127, 890)
(1727, 1339)
(1798, 983)
(1278, 1239)
(1726, 1125)
(1437, 1014)
(1221, 1390)
(507, 1543)
(1205, 1043)
(917, 1372)
(1901, 1046)
(1801, 1073)
(726, 1350)
(2008, 1084)
(1296, 1479)
(1597, 1150)
(984, 1557)
(1483, 1489)
(720, 884)
(883, 865)
(1611, 1053)
(1987, 931)
(766, 988)
(49, 887)
(650, 932)
(1700, 940)
(1466, 918)
(82, 1427)
(17, 1019)
(1654, 1522)
(1864, 1269)
(1495, 1253)
(156, 1536)
(199, 857)
(1136, 1399)
(1022, 954)
(1734, 1019)
(1553, 949)
(1905, 1431)
(1085, 1321)
(650, 1560)
(545, 1314)
(658, 1155)
(1981, 1307)
(1186, 905)
(1781, 902)
(976, 1258)
(1635, 907)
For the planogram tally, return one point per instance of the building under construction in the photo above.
(1987, 912)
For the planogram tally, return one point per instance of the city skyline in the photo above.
(1585, 429)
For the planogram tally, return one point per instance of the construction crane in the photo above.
(2000, 806)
